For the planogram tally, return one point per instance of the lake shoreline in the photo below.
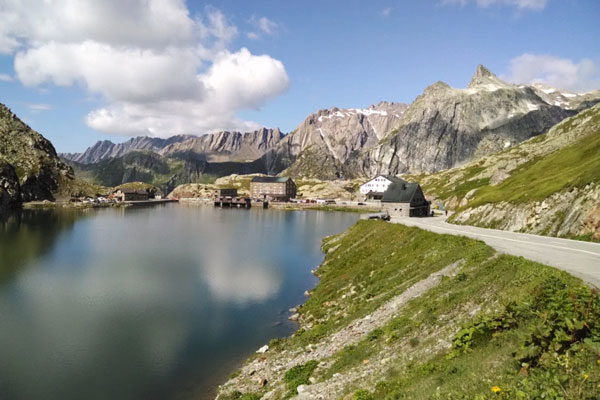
(291, 206)
(385, 321)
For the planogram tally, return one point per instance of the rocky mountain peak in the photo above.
(439, 86)
(484, 76)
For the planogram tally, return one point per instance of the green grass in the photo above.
(530, 329)
(381, 261)
(299, 375)
(573, 166)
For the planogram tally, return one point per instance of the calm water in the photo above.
(147, 303)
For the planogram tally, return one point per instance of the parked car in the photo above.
(361, 203)
(382, 216)
(330, 202)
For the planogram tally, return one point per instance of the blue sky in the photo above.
(317, 54)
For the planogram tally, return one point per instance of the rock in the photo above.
(263, 349)
(442, 128)
(263, 382)
(293, 310)
(312, 380)
(294, 317)
(10, 190)
(307, 293)
(220, 146)
(301, 389)
(39, 169)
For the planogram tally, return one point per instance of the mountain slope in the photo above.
(39, 170)
(165, 172)
(547, 185)
(105, 149)
(228, 146)
(444, 127)
(402, 313)
(327, 139)
(218, 147)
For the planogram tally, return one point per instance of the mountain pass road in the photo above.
(581, 259)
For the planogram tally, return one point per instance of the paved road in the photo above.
(581, 259)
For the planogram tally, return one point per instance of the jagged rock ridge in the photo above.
(444, 127)
(221, 146)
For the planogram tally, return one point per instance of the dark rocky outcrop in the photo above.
(36, 164)
(10, 190)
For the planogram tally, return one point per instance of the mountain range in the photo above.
(443, 128)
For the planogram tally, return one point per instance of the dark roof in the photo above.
(400, 192)
(394, 179)
(270, 179)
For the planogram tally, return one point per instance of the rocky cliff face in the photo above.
(570, 213)
(328, 139)
(218, 147)
(34, 159)
(105, 149)
(228, 146)
(547, 185)
(10, 190)
(444, 127)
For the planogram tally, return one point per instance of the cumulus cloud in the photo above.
(160, 70)
(262, 26)
(558, 72)
(519, 4)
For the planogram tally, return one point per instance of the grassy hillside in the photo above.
(163, 172)
(566, 156)
(547, 185)
(576, 165)
(382, 325)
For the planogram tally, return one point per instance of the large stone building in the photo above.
(272, 188)
(374, 189)
(405, 199)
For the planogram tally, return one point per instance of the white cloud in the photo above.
(6, 78)
(253, 35)
(519, 4)
(262, 26)
(386, 11)
(160, 70)
(558, 72)
(39, 107)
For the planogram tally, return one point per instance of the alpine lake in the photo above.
(160, 302)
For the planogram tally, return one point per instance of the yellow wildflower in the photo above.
(496, 389)
(585, 376)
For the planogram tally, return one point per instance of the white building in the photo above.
(377, 186)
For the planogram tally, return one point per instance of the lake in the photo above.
(155, 302)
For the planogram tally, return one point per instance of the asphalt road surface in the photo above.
(581, 259)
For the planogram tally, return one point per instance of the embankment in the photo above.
(404, 313)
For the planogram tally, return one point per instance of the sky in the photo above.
(79, 71)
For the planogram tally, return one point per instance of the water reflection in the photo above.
(28, 234)
(149, 302)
